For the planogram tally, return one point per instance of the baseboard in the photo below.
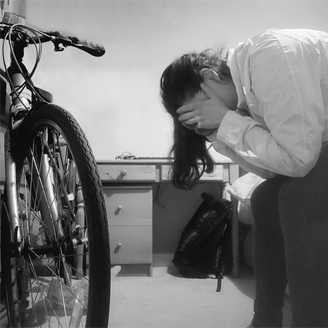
(162, 260)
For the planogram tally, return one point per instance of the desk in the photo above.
(146, 213)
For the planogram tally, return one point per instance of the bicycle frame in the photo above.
(48, 200)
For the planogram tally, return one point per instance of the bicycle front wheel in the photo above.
(61, 276)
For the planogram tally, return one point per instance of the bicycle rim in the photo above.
(62, 276)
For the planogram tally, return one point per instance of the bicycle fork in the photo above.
(45, 200)
(12, 197)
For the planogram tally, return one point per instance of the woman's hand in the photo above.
(206, 114)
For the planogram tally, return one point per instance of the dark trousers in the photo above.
(291, 245)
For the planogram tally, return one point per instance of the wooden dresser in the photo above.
(130, 188)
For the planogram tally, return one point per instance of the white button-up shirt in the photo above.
(281, 77)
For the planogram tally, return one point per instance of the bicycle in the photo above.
(55, 256)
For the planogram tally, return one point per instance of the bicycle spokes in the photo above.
(54, 197)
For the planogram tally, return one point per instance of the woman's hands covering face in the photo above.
(204, 116)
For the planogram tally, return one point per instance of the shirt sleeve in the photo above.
(282, 84)
(223, 149)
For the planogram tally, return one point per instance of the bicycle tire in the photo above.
(28, 283)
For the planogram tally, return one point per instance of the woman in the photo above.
(265, 107)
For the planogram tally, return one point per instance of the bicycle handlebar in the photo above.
(91, 48)
(60, 40)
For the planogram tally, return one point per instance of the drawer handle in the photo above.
(124, 172)
(118, 209)
(117, 248)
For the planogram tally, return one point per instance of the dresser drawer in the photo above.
(129, 205)
(131, 244)
(127, 173)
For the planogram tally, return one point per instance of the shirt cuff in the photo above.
(220, 134)
(233, 128)
(229, 123)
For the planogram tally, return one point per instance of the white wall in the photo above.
(116, 98)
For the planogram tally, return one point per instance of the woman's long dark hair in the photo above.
(179, 82)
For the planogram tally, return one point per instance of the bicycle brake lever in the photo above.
(60, 41)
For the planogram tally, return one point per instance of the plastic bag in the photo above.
(61, 294)
(242, 189)
(77, 309)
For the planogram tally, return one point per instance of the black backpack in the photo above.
(204, 249)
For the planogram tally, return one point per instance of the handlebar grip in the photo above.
(91, 48)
